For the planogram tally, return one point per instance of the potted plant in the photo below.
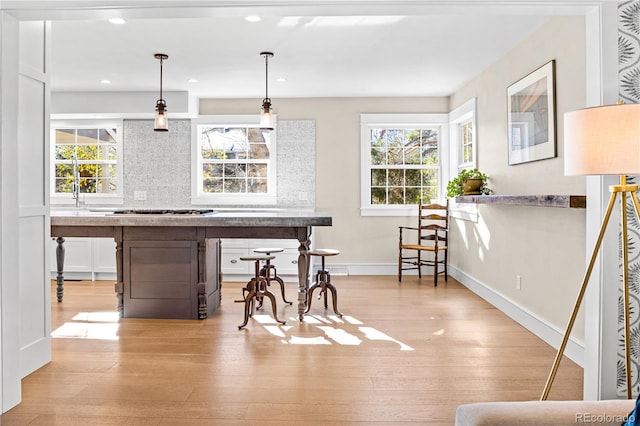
(468, 182)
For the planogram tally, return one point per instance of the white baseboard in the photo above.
(373, 269)
(87, 276)
(532, 322)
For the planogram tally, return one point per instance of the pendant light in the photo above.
(266, 117)
(161, 124)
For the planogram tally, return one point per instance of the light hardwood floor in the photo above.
(450, 348)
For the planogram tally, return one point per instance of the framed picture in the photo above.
(531, 119)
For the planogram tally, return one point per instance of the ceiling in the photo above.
(328, 51)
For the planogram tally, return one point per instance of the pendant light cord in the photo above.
(161, 61)
(266, 73)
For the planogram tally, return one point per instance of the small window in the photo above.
(87, 155)
(465, 140)
(462, 124)
(235, 161)
(401, 161)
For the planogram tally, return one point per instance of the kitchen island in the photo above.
(168, 265)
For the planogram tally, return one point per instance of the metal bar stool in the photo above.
(323, 281)
(269, 269)
(256, 289)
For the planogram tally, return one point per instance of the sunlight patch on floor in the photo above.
(333, 328)
(90, 325)
(104, 316)
(341, 337)
(77, 330)
(295, 340)
(373, 334)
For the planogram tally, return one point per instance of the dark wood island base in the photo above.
(169, 266)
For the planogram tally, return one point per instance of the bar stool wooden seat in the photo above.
(323, 281)
(256, 290)
(269, 269)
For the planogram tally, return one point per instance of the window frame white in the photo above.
(465, 113)
(369, 121)
(198, 196)
(87, 199)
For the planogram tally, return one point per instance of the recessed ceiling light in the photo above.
(281, 79)
(118, 21)
(192, 80)
(253, 18)
(105, 81)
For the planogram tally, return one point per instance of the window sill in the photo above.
(389, 211)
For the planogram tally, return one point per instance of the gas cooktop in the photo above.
(166, 211)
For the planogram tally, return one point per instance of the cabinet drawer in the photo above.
(286, 262)
(231, 263)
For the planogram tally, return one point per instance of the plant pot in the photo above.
(472, 186)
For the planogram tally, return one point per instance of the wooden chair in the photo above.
(432, 238)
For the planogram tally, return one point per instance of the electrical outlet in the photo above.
(302, 196)
(518, 282)
(140, 195)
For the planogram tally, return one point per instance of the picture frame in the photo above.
(531, 116)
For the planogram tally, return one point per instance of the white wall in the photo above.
(545, 246)
(362, 241)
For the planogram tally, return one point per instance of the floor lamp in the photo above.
(603, 141)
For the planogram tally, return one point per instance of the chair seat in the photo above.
(419, 247)
(323, 252)
(254, 258)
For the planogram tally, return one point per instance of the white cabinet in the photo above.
(95, 258)
(233, 268)
(86, 258)
(104, 255)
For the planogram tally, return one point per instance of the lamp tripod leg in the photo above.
(627, 317)
(576, 307)
(625, 289)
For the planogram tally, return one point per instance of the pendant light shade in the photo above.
(161, 124)
(266, 116)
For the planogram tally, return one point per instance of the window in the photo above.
(462, 123)
(87, 154)
(235, 161)
(465, 143)
(401, 162)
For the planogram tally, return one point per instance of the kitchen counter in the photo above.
(168, 264)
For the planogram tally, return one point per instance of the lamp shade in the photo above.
(160, 123)
(266, 118)
(602, 140)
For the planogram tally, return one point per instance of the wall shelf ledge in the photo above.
(565, 201)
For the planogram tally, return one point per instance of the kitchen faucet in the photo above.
(76, 181)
